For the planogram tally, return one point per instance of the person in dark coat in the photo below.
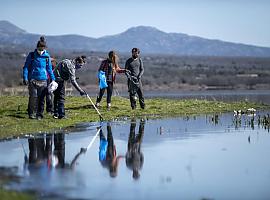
(64, 71)
(134, 71)
(134, 156)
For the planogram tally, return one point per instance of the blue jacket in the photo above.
(38, 68)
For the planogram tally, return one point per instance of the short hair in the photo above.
(81, 59)
(135, 50)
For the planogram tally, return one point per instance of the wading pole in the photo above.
(100, 116)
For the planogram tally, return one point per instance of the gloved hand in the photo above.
(127, 72)
(52, 86)
(83, 93)
(83, 150)
(25, 82)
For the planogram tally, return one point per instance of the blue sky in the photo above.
(241, 21)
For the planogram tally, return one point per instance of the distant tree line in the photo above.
(169, 72)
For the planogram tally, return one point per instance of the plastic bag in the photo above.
(103, 149)
(102, 80)
(52, 86)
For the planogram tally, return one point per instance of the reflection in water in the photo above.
(59, 153)
(40, 154)
(186, 153)
(134, 156)
(264, 121)
(107, 152)
(215, 119)
(250, 120)
(41, 157)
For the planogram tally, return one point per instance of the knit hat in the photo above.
(41, 42)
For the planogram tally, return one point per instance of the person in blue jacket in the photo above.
(35, 70)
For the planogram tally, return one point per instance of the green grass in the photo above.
(14, 119)
(13, 195)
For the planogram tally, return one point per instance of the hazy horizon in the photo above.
(235, 21)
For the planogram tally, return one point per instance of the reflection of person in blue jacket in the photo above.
(107, 152)
(40, 156)
(134, 156)
(35, 70)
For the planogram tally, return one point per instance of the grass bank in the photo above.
(14, 119)
(13, 195)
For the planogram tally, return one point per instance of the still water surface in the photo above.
(201, 157)
(258, 96)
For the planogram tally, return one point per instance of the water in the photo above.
(258, 96)
(196, 157)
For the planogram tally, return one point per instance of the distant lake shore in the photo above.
(207, 93)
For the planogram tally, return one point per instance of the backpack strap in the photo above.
(56, 71)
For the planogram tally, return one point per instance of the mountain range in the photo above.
(149, 39)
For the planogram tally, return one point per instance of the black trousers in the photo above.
(59, 100)
(109, 93)
(133, 89)
(49, 98)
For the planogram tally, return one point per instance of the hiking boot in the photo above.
(109, 106)
(50, 113)
(32, 116)
(62, 117)
(39, 118)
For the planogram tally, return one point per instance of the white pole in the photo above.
(92, 141)
(94, 106)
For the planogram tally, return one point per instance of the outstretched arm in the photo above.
(73, 162)
(74, 82)
(120, 70)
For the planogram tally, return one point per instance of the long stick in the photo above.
(23, 149)
(92, 141)
(25, 155)
(101, 118)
